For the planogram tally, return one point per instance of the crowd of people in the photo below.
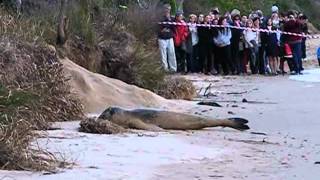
(229, 50)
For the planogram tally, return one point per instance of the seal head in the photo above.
(109, 112)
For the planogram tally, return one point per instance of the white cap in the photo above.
(274, 9)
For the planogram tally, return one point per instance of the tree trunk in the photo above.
(180, 5)
(18, 6)
(62, 25)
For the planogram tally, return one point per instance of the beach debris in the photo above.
(143, 134)
(258, 133)
(209, 103)
(317, 162)
(262, 142)
(207, 90)
(197, 113)
(230, 112)
(215, 176)
(93, 167)
(244, 100)
(237, 93)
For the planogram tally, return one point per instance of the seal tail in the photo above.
(235, 123)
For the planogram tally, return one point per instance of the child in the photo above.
(318, 55)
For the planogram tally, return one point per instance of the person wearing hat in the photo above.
(215, 12)
(165, 40)
(181, 33)
(274, 9)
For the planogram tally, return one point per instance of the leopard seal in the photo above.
(156, 120)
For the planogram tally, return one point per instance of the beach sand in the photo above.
(283, 142)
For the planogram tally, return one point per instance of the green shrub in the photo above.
(147, 70)
(81, 22)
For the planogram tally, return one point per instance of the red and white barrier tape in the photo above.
(242, 28)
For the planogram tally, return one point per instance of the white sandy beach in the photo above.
(286, 109)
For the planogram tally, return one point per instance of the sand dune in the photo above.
(97, 92)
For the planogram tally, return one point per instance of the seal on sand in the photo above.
(153, 120)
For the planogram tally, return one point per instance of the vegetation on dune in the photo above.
(33, 93)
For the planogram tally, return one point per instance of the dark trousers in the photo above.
(261, 63)
(304, 48)
(205, 57)
(253, 59)
(224, 57)
(303, 51)
(296, 52)
(289, 62)
(216, 59)
(243, 61)
(193, 60)
(181, 59)
(236, 57)
(319, 61)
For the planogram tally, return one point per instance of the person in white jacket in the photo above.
(252, 45)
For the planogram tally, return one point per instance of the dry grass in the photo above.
(33, 93)
(177, 88)
(31, 29)
(16, 152)
(100, 126)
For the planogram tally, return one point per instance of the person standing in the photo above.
(165, 41)
(295, 26)
(304, 20)
(252, 47)
(259, 23)
(235, 40)
(276, 26)
(205, 46)
(180, 37)
(272, 47)
(222, 41)
(192, 45)
(318, 55)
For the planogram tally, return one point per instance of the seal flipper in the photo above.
(239, 124)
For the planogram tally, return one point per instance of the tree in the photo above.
(62, 24)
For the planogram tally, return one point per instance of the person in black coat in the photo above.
(205, 46)
(235, 40)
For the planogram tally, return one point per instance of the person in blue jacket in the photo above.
(318, 55)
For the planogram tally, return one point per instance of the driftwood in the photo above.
(216, 103)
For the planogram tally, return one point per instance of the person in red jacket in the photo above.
(293, 25)
(180, 36)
